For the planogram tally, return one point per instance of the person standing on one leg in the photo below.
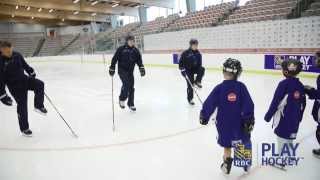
(127, 56)
(190, 64)
(314, 93)
(12, 68)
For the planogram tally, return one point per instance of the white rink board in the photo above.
(254, 62)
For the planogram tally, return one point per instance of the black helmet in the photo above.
(129, 37)
(232, 66)
(291, 67)
(193, 42)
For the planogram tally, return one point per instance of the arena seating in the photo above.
(25, 43)
(314, 9)
(204, 18)
(52, 45)
(261, 10)
(156, 26)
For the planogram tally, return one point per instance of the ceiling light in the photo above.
(75, 1)
(40, 9)
(51, 10)
(115, 5)
(28, 8)
(76, 12)
(94, 3)
(93, 14)
(17, 7)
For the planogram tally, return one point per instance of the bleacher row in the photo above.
(221, 14)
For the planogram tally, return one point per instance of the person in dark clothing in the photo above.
(190, 64)
(12, 68)
(127, 56)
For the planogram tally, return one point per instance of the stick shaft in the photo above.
(57, 111)
(194, 89)
(113, 123)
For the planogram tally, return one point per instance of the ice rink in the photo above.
(161, 141)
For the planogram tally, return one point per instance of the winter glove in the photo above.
(267, 118)
(183, 72)
(308, 89)
(7, 101)
(32, 74)
(112, 71)
(248, 126)
(142, 71)
(203, 121)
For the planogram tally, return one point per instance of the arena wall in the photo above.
(252, 63)
(290, 36)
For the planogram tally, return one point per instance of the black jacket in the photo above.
(12, 72)
(126, 57)
(190, 60)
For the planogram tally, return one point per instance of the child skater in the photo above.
(315, 94)
(235, 111)
(287, 105)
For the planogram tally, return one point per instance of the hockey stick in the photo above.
(113, 123)
(194, 89)
(57, 111)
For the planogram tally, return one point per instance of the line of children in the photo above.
(235, 108)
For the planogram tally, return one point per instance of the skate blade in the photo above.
(316, 156)
(25, 135)
(41, 113)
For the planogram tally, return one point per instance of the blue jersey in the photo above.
(287, 108)
(315, 94)
(234, 106)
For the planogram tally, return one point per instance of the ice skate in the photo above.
(27, 133)
(132, 108)
(198, 85)
(226, 165)
(43, 111)
(122, 104)
(316, 153)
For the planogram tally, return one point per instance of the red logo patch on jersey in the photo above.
(296, 95)
(232, 97)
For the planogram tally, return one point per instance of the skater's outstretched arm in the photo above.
(277, 98)
(312, 92)
(209, 106)
(25, 65)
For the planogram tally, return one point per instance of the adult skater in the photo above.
(127, 56)
(235, 111)
(190, 64)
(12, 68)
(315, 94)
(287, 106)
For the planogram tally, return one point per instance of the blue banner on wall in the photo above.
(176, 58)
(274, 62)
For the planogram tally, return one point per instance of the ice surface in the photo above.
(161, 141)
